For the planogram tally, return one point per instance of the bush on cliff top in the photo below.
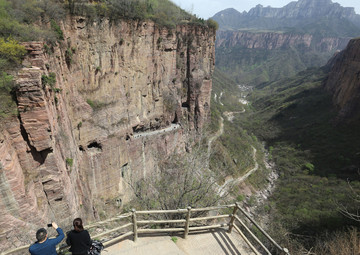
(163, 12)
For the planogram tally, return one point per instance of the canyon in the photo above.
(77, 143)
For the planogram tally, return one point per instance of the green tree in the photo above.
(11, 50)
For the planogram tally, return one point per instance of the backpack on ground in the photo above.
(96, 248)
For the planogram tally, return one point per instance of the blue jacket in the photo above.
(49, 246)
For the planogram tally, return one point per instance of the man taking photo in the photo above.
(44, 245)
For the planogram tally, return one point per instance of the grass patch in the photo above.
(97, 105)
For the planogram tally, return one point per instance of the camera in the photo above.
(49, 225)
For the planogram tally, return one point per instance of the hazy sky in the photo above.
(207, 8)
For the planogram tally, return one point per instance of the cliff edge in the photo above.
(344, 81)
(84, 106)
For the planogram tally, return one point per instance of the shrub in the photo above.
(96, 105)
(11, 50)
(56, 28)
(212, 24)
(51, 79)
(8, 106)
(308, 166)
(69, 162)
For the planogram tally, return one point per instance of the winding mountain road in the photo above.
(229, 180)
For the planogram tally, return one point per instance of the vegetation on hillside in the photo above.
(256, 66)
(232, 152)
(320, 21)
(17, 24)
(316, 157)
(163, 12)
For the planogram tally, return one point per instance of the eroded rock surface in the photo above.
(71, 152)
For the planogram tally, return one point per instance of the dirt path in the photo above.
(215, 136)
(230, 181)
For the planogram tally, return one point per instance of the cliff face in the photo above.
(272, 40)
(78, 143)
(344, 81)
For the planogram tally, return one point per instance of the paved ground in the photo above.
(205, 243)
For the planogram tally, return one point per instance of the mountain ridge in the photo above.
(291, 15)
(266, 44)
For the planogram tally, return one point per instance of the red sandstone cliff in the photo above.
(344, 81)
(76, 144)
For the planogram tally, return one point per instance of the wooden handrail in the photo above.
(263, 231)
(246, 240)
(252, 235)
(212, 208)
(162, 211)
(186, 227)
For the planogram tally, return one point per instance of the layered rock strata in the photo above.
(78, 143)
(344, 81)
(273, 41)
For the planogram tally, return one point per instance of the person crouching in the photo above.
(79, 238)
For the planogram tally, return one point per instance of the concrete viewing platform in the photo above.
(200, 243)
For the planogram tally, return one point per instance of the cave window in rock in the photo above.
(118, 202)
(175, 121)
(124, 169)
(95, 145)
(185, 104)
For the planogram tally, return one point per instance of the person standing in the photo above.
(79, 238)
(45, 245)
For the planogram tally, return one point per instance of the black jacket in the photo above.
(80, 242)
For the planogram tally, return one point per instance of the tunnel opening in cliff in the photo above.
(176, 120)
(95, 145)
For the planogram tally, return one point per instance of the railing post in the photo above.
(134, 224)
(231, 223)
(187, 223)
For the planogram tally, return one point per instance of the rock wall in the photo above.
(344, 81)
(273, 40)
(126, 94)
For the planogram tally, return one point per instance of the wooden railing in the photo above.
(179, 225)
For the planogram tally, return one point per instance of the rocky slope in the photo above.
(76, 144)
(344, 81)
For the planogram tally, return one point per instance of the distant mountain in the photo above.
(267, 44)
(293, 15)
